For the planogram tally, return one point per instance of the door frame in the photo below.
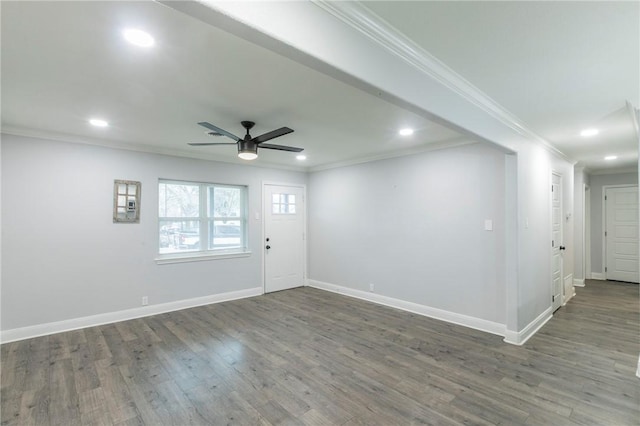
(604, 221)
(587, 232)
(562, 295)
(263, 236)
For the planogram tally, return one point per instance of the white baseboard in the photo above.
(571, 295)
(439, 314)
(521, 337)
(578, 282)
(568, 289)
(597, 276)
(107, 318)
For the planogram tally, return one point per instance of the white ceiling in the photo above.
(558, 66)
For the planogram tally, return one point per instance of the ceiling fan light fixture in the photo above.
(589, 132)
(248, 155)
(247, 150)
(610, 157)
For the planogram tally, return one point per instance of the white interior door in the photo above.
(284, 243)
(621, 234)
(556, 241)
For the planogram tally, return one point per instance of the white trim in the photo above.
(561, 242)
(141, 147)
(566, 300)
(578, 282)
(604, 223)
(597, 276)
(428, 311)
(520, 338)
(619, 171)
(184, 258)
(587, 235)
(638, 369)
(434, 146)
(567, 284)
(110, 317)
(368, 23)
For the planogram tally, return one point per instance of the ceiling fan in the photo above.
(248, 146)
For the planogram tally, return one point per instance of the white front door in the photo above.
(556, 241)
(284, 243)
(621, 234)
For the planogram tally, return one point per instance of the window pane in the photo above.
(292, 199)
(292, 209)
(226, 202)
(122, 188)
(275, 198)
(179, 200)
(179, 236)
(132, 190)
(225, 234)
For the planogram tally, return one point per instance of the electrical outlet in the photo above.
(145, 300)
(371, 287)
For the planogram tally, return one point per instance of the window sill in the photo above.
(165, 259)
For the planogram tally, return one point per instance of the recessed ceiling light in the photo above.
(138, 37)
(98, 123)
(406, 132)
(301, 157)
(589, 132)
(610, 157)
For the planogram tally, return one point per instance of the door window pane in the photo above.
(283, 204)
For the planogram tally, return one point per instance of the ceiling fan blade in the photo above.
(280, 147)
(272, 134)
(219, 130)
(211, 143)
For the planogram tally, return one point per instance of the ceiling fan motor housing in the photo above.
(247, 146)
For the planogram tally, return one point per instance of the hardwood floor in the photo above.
(306, 356)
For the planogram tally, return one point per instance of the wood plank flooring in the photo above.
(306, 356)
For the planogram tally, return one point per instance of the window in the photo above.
(201, 218)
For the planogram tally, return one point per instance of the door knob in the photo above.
(268, 247)
(562, 247)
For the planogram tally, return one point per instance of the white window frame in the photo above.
(204, 222)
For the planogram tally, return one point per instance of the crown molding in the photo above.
(368, 23)
(449, 143)
(136, 147)
(619, 171)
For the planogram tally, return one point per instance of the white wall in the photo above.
(414, 227)
(535, 165)
(597, 182)
(64, 258)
